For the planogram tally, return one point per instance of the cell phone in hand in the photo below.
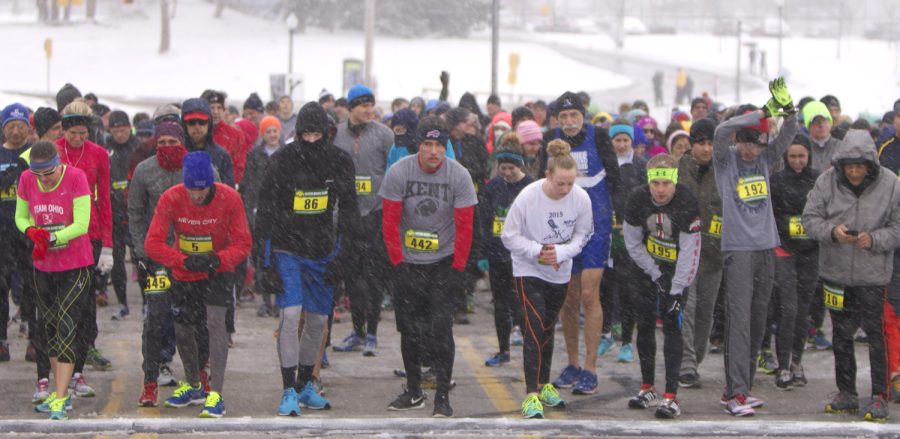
(852, 232)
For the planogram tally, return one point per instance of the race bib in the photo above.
(310, 202)
(9, 194)
(661, 249)
(797, 230)
(363, 185)
(195, 245)
(752, 188)
(120, 185)
(157, 282)
(715, 226)
(421, 241)
(498, 225)
(834, 297)
(52, 228)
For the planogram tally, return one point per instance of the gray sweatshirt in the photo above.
(370, 152)
(822, 153)
(747, 220)
(876, 211)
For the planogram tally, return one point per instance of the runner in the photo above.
(548, 224)
(122, 143)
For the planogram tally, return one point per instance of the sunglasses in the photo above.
(45, 173)
(195, 122)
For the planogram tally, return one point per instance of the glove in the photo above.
(483, 265)
(41, 240)
(105, 262)
(445, 78)
(781, 103)
(143, 267)
(677, 308)
(202, 263)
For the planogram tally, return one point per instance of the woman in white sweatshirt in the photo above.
(547, 225)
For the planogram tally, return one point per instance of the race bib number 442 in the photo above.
(421, 241)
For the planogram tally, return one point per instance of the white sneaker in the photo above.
(41, 391)
(166, 377)
(80, 386)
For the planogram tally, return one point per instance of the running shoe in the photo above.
(689, 380)
(166, 377)
(186, 395)
(290, 403)
(626, 353)
(121, 313)
(617, 331)
(497, 359)
(96, 359)
(44, 407)
(668, 408)
(738, 406)
(350, 343)
(549, 396)
(149, 395)
(644, 399)
(820, 342)
(843, 403)
(606, 343)
(41, 391)
(895, 389)
(4, 350)
(386, 304)
(587, 383)
(371, 347)
(715, 346)
(784, 380)
(515, 338)
(442, 408)
(79, 385)
(408, 401)
(755, 402)
(568, 377)
(876, 410)
(214, 406)
(799, 375)
(532, 407)
(31, 352)
(59, 408)
(309, 398)
(763, 363)
(102, 299)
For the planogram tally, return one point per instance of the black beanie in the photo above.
(702, 129)
(254, 102)
(214, 97)
(456, 116)
(66, 95)
(44, 119)
(801, 139)
(118, 118)
(432, 128)
(831, 101)
(569, 101)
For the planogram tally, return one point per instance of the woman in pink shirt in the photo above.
(53, 209)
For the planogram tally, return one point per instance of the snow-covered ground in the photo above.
(237, 54)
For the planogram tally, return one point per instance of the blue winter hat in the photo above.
(14, 112)
(621, 129)
(360, 94)
(145, 128)
(197, 170)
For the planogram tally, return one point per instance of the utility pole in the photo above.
(370, 37)
(737, 78)
(495, 43)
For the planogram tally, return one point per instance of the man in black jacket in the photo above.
(121, 145)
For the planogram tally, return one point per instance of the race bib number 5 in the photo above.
(421, 241)
(195, 245)
(834, 297)
(662, 249)
(752, 188)
(310, 202)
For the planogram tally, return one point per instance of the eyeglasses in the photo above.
(49, 171)
(195, 122)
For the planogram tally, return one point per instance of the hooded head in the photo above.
(196, 109)
(857, 148)
(408, 120)
(520, 114)
(803, 141)
(469, 102)
(66, 95)
(312, 119)
(44, 119)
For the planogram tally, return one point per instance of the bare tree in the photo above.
(220, 7)
(67, 11)
(91, 9)
(43, 11)
(165, 32)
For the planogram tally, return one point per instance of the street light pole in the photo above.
(292, 23)
(370, 37)
(495, 43)
(780, 35)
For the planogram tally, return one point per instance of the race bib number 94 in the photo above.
(363, 185)
(421, 241)
(310, 202)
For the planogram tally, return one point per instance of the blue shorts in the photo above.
(304, 284)
(596, 252)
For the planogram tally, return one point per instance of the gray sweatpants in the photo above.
(748, 277)
(698, 317)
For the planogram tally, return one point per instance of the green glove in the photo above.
(780, 93)
(772, 109)
(483, 265)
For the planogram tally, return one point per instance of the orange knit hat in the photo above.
(267, 122)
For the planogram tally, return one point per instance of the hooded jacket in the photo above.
(876, 210)
(220, 158)
(789, 192)
(303, 185)
(119, 158)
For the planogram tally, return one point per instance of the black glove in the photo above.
(202, 263)
(144, 269)
(677, 305)
(445, 78)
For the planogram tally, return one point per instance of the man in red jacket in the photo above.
(211, 238)
(230, 138)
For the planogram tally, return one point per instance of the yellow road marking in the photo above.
(145, 436)
(119, 354)
(496, 391)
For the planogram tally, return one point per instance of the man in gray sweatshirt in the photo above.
(742, 156)
(854, 213)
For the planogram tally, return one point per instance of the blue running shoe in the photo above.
(821, 342)
(186, 395)
(59, 407)
(214, 407)
(311, 399)
(497, 359)
(587, 383)
(44, 407)
(371, 346)
(325, 363)
(626, 353)
(606, 343)
(568, 377)
(515, 338)
(351, 343)
(290, 403)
